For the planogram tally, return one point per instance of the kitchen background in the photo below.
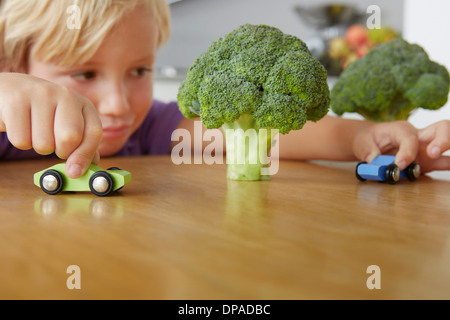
(197, 23)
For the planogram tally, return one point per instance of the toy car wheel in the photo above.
(356, 171)
(413, 171)
(101, 183)
(392, 174)
(116, 168)
(51, 182)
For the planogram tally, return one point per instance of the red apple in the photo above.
(356, 36)
(362, 50)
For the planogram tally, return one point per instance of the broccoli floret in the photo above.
(390, 82)
(255, 77)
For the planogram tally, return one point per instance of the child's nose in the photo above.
(114, 102)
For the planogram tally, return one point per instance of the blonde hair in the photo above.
(40, 28)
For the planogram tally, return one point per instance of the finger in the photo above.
(80, 159)
(68, 128)
(365, 148)
(438, 138)
(427, 134)
(408, 147)
(42, 136)
(18, 126)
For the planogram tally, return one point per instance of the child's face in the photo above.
(118, 79)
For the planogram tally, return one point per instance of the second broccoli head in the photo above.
(390, 82)
(255, 77)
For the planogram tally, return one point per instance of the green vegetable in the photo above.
(390, 82)
(255, 77)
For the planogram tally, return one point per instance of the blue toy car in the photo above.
(383, 169)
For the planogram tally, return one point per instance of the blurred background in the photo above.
(327, 27)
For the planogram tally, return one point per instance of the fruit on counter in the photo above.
(356, 36)
(378, 36)
(337, 48)
(357, 42)
(349, 59)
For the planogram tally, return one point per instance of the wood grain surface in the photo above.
(186, 232)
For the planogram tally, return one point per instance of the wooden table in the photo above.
(186, 232)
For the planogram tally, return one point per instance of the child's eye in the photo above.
(140, 72)
(84, 76)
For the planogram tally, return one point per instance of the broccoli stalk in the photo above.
(254, 78)
(390, 83)
(247, 149)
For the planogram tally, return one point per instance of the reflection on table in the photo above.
(186, 232)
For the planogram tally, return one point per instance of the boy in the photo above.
(86, 92)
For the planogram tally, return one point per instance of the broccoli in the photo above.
(390, 82)
(255, 77)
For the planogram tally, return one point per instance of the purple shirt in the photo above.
(152, 137)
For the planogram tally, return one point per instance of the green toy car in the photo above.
(97, 180)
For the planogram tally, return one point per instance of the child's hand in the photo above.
(49, 118)
(433, 141)
(399, 138)
(409, 144)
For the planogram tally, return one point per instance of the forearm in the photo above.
(331, 138)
